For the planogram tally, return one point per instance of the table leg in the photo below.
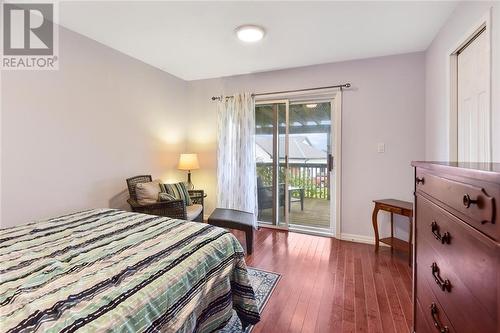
(392, 230)
(375, 225)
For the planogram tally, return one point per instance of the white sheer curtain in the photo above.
(236, 177)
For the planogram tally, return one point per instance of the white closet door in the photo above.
(474, 120)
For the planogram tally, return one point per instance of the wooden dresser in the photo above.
(456, 271)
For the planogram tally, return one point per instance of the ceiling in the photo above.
(196, 40)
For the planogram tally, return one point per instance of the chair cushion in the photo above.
(178, 190)
(193, 211)
(147, 193)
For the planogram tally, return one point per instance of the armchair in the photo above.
(175, 209)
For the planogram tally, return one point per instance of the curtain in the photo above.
(236, 173)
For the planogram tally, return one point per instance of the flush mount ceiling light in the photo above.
(250, 33)
(311, 106)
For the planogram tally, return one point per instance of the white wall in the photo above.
(71, 137)
(386, 104)
(462, 22)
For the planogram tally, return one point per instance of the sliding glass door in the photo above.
(295, 159)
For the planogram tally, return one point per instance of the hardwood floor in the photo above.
(329, 285)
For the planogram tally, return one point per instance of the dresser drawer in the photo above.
(475, 204)
(464, 257)
(458, 301)
(421, 325)
(391, 209)
(431, 311)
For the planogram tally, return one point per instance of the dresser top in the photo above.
(483, 171)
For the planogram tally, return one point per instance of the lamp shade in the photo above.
(188, 162)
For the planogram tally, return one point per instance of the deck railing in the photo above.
(313, 178)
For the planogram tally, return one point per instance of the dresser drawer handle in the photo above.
(445, 285)
(467, 201)
(435, 319)
(444, 238)
(420, 180)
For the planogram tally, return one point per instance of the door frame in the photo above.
(452, 84)
(335, 98)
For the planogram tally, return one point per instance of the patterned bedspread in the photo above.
(110, 270)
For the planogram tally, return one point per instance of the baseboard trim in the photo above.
(359, 239)
(343, 236)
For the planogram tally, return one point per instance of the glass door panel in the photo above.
(270, 133)
(309, 140)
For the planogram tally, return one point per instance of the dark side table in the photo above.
(234, 219)
(398, 207)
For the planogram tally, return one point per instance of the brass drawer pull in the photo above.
(435, 319)
(420, 180)
(445, 238)
(467, 201)
(445, 285)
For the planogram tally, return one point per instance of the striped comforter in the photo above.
(110, 270)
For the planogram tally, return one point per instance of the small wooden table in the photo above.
(393, 206)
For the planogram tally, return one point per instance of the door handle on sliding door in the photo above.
(330, 162)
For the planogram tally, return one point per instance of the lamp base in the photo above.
(189, 185)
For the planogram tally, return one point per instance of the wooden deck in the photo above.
(316, 213)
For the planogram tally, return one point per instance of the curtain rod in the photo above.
(345, 85)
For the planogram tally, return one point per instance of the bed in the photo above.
(110, 270)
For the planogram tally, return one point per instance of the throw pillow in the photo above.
(166, 197)
(178, 190)
(147, 193)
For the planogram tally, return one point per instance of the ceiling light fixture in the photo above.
(311, 106)
(250, 33)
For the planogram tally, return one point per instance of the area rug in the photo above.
(263, 284)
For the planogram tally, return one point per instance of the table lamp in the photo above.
(188, 162)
